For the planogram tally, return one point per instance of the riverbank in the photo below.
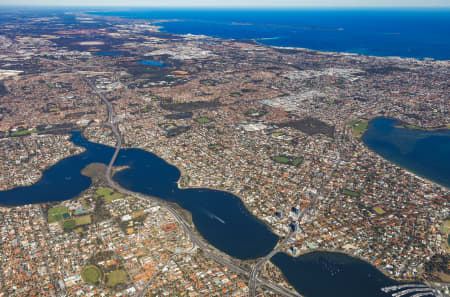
(29, 170)
(155, 172)
(412, 155)
(349, 254)
(365, 124)
(177, 175)
(403, 125)
(318, 274)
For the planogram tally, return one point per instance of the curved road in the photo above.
(254, 274)
(279, 247)
(194, 238)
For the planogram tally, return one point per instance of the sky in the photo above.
(232, 3)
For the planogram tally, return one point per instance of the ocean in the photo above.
(410, 33)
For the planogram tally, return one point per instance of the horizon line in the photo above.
(264, 7)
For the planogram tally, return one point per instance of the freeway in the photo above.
(111, 124)
(208, 251)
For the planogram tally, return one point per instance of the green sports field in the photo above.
(116, 277)
(91, 274)
(56, 214)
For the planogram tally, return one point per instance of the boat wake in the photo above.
(213, 216)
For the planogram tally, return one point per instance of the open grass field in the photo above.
(288, 160)
(379, 210)
(104, 191)
(108, 194)
(112, 197)
(69, 225)
(145, 110)
(277, 134)
(203, 120)
(446, 232)
(23, 132)
(297, 161)
(115, 278)
(446, 227)
(360, 128)
(56, 214)
(91, 274)
(412, 127)
(83, 220)
(350, 193)
(282, 159)
(352, 123)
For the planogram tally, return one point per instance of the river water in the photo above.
(220, 217)
(426, 153)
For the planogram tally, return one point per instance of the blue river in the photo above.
(326, 274)
(220, 217)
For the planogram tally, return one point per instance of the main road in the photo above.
(208, 251)
(111, 123)
(254, 274)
